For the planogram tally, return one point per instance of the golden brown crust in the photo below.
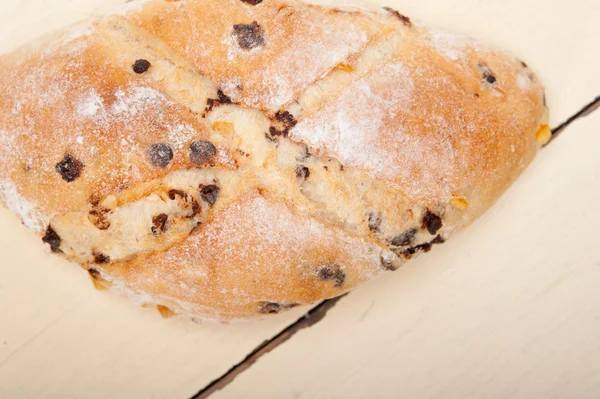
(291, 46)
(356, 140)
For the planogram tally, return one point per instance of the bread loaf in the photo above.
(233, 158)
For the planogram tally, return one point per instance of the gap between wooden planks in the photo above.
(319, 312)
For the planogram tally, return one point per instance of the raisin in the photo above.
(202, 152)
(141, 66)
(270, 308)
(52, 239)
(302, 172)
(69, 168)
(431, 222)
(332, 272)
(403, 18)
(249, 36)
(405, 238)
(210, 193)
(160, 155)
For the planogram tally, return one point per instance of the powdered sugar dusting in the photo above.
(349, 127)
(181, 134)
(135, 100)
(450, 45)
(90, 104)
(25, 209)
(523, 81)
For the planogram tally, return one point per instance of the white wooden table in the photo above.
(510, 308)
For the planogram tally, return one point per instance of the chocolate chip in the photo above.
(270, 308)
(52, 239)
(196, 209)
(426, 247)
(213, 102)
(476, 95)
(97, 217)
(487, 74)
(405, 238)
(302, 172)
(69, 168)
(374, 221)
(202, 152)
(141, 66)
(159, 223)
(285, 121)
(438, 240)
(523, 64)
(252, 2)
(287, 118)
(403, 18)
(210, 104)
(100, 258)
(177, 193)
(160, 155)
(249, 36)
(223, 99)
(95, 274)
(332, 272)
(210, 193)
(273, 131)
(431, 222)
(491, 79)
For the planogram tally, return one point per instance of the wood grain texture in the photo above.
(509, 308)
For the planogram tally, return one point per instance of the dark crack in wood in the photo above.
(585, 111)
(311, 318)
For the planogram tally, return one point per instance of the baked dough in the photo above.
(234, 158)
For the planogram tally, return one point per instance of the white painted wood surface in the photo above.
(508, 308)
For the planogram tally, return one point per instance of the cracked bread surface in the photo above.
(277, 154)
